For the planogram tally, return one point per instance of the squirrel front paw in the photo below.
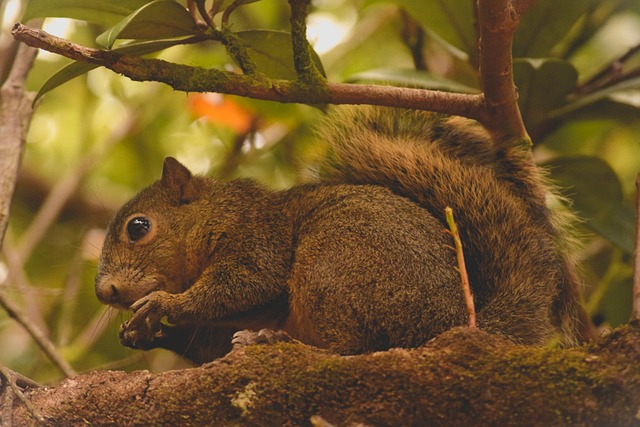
(145, 328)
(263, 336)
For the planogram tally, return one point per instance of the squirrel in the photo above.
(355, 262)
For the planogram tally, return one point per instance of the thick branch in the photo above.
(462, 376)
(15, 115)
(193, 79)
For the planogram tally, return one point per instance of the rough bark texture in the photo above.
(15, 115)
(463, 377)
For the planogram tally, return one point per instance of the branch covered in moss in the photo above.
(462, 376)
(305, 68)
(496, 108)
(195, 79)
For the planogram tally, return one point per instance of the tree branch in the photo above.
(193, 79)
(461, 376)
(498, 21)
(497, 109)
(15, 116)
(306, 70)
(43, 342)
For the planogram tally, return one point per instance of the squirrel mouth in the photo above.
(154, 285)
(120, 305)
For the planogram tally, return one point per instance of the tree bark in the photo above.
(463, 377)
(15, 116)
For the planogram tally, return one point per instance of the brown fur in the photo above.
(346, 263)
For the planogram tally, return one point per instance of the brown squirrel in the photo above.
(354, 263)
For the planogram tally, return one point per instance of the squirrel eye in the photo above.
(138, 227)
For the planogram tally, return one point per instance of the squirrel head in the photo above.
(145, 248)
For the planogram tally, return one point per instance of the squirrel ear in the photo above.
(178, 180)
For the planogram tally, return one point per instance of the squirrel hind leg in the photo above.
(247, 337)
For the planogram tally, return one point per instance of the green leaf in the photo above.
(160, 19)
(271, 51)
(545, 24)
(596, 193)
(411, 78)
(451, 20)
(104, 12)
(78, 68)
(543, 85)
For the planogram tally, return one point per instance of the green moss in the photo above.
(309, 76)
(236, 49)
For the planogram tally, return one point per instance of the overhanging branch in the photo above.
(496, 108)
(195, 79)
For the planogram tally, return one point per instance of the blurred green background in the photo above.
(99, 138)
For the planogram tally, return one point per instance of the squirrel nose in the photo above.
(107, 292)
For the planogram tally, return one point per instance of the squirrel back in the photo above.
(356, 262)
(516, 247)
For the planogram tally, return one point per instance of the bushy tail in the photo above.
(522, 281)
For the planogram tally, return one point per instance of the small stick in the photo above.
(468, 296)
(13, 382)
(635, 312)
(41, 340)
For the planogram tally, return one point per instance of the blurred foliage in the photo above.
(102, 137)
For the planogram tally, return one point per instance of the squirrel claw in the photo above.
(135, 339)
(145, 326)
(264, 336)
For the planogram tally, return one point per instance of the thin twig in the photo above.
(43, 342)
(610, 75)
(462, 268)
(12, 387)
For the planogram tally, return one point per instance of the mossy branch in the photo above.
(496, 108)
(307, 72)
(237, 51)
(195, 79)
(460, 377)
